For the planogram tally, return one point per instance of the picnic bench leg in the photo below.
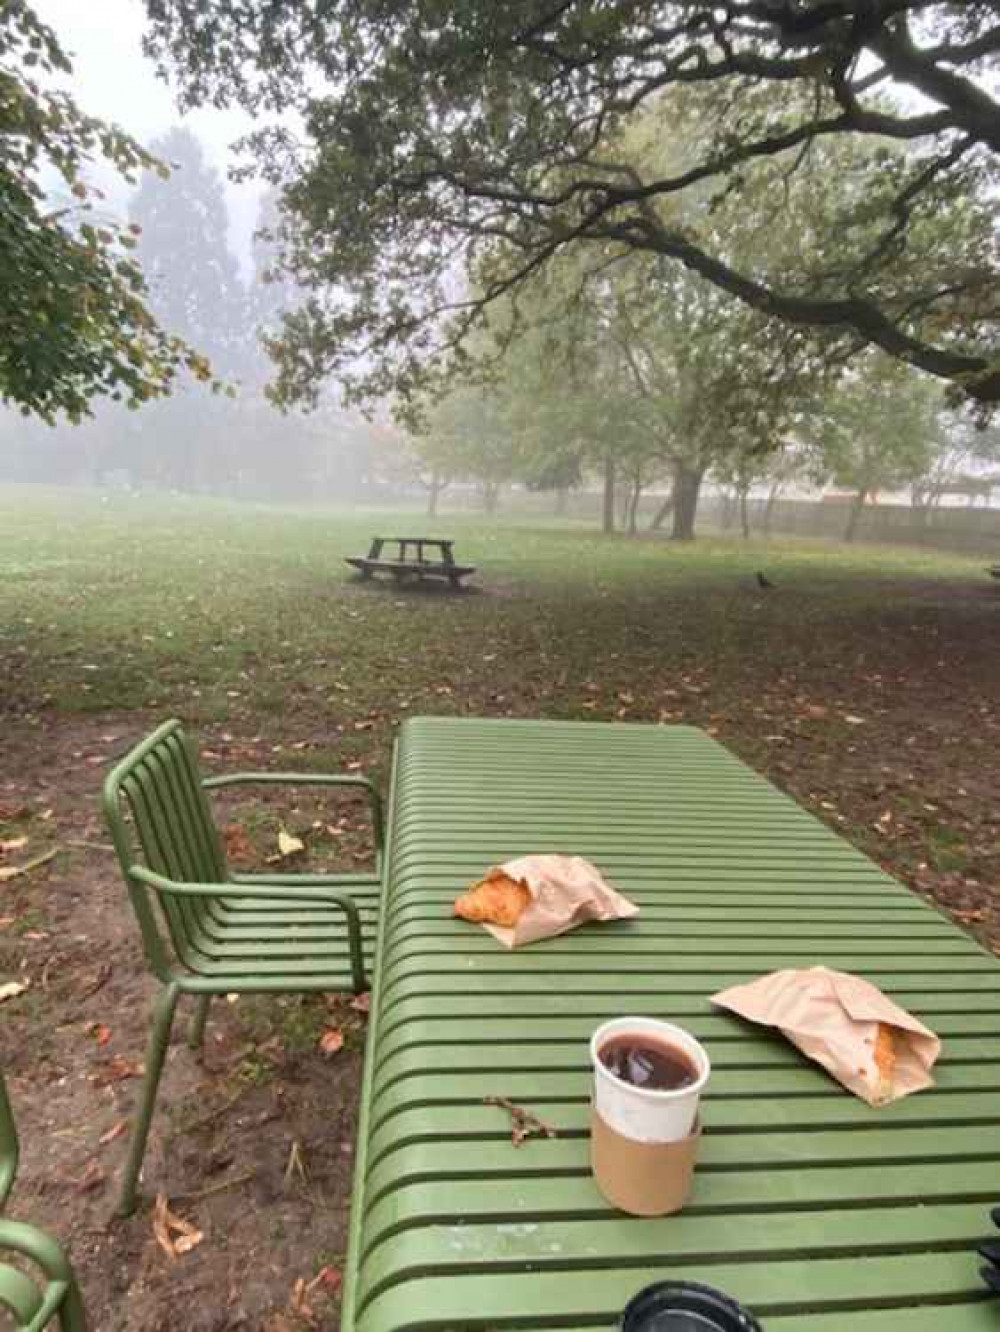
(196, 1036)
(159, 1039)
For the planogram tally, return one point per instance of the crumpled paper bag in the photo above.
(846, 1024)
(565, 892)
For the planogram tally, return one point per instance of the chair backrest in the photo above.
(170, 831)
(8, 1145)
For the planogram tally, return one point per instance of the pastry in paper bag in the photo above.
(536, 897)
(846, 1024)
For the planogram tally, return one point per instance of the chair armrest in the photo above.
(310, 779)
(268, 890)
(61, 1291)
(305, 880)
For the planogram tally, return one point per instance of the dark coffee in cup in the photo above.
(652, 1065)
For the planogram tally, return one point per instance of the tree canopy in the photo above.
(72, 309)
(489, 137)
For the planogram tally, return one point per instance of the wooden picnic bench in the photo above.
(818, 1212)
(405, 565)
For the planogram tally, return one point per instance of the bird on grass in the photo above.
(763, 581)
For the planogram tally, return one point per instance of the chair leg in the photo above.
(196, 1036)
(159, 1038)
(72, 1317)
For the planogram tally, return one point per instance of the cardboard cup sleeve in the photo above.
(642, 1178)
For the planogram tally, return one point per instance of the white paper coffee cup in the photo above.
(636, 1112)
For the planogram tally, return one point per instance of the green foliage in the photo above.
(72, 296)
(440, 136)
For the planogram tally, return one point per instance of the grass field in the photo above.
(865, 683)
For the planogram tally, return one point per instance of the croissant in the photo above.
(497, 900)
(885, 1060)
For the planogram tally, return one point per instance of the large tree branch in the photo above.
(981, 377)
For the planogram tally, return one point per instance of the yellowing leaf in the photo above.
(289, 845)
(332, 1041)
(174, 1235)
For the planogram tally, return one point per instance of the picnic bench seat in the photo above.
(815, 1210)
(405, 565)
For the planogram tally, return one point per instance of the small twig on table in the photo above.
(523, 1122)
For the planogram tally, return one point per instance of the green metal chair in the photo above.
(207, 931)
(30, 1302)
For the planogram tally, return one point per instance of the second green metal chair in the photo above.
(207, 931)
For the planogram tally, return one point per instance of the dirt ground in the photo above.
(889, 731)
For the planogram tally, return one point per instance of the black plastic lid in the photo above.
(685, 1306)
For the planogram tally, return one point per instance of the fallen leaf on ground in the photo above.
(117, 1069)
(299, 1303)
(330, 1278)
(92, 1178)
(239, 847)
(13, 871)
(12, 989)
(332, 1041)
(174, 1235)
(115, 1131)
(851, 720)
(101, 1032)
(289, 845)
(13, 844)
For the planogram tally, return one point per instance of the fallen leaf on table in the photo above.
(332, 1041)
(174, 1235)
(12, 989)
(289, 845)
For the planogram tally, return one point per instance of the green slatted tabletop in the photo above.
(818, 1212)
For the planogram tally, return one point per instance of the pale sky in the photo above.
(113, 79)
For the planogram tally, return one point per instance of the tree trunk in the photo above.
(562, 501)
(687, 488)
(662, 513)
(491, 496)
(857, 505)
(744, 493)
(772, 499)
(434, 491)
(608, 515)
(633, 508)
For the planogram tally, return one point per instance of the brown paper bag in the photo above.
(565, 891)
(846, 1024)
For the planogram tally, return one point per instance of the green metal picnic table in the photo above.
(818, 1212)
